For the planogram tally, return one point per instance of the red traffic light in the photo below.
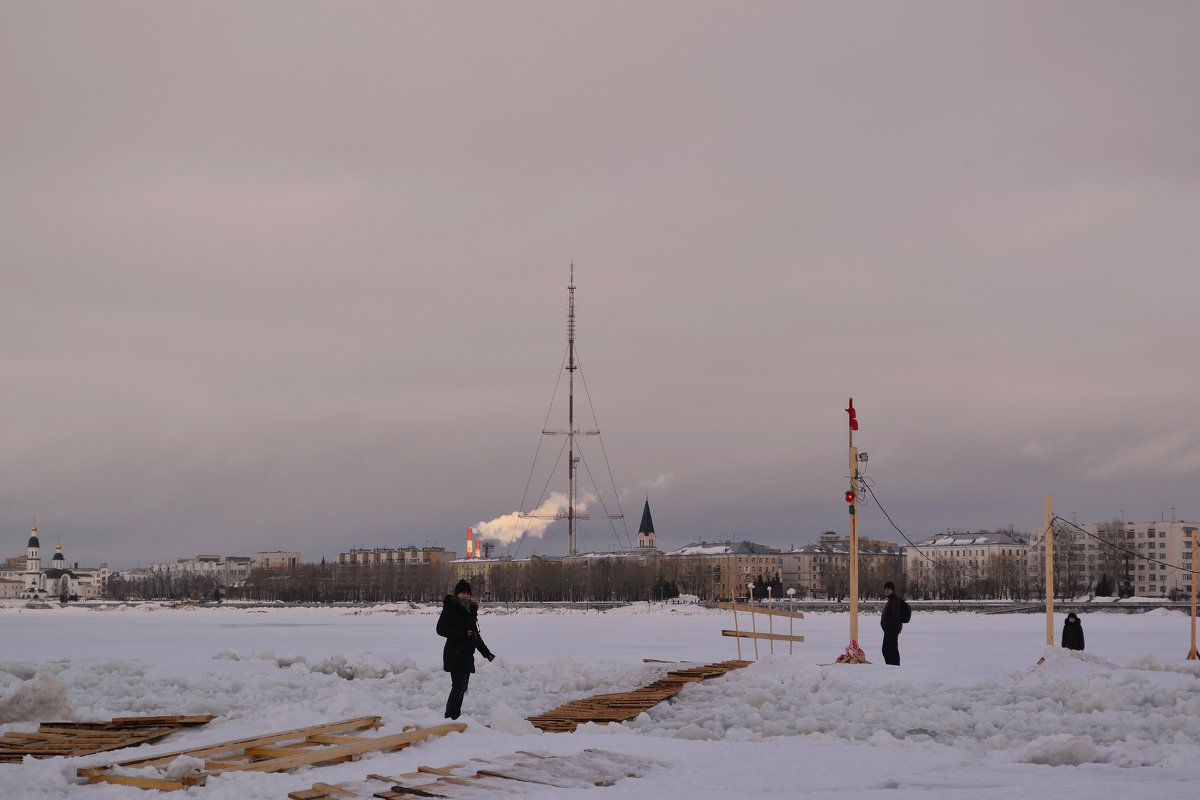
(849, 496)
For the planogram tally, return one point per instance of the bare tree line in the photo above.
(999, 576)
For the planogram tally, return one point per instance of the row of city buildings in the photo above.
(1143, 558)
(1148, 559)
(1132, 558)
(29, 577)
(227, 571)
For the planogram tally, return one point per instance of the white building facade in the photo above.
(56, 579)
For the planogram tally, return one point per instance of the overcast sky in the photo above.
(293, 276)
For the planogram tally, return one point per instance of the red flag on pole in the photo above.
(853, 416)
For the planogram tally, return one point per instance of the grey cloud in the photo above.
(290, 277)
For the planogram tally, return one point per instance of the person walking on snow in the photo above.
(460, 625)
(891, 622)
(1072, 635)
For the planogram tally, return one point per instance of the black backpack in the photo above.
(905, 611)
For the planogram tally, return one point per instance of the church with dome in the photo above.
(30, 579)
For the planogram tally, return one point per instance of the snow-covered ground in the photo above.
(968, 714)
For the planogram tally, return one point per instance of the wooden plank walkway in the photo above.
(84, 738)
(620, 706)
(275, 752)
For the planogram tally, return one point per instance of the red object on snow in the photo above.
(853, 655)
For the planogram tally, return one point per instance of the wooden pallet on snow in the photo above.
(84, 738)
(504, 775)
(620, 706)
(274, 752)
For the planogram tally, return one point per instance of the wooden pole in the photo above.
(1049, 572)
(792, 601)
(1192, 654)
(735, 626)
(853, 554)
(771, 621)
(753, 624)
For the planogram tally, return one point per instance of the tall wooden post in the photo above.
(852, 498)
(1049, 572)
(1192, 654)
(753, 623)
(735, 627)
(771, 621)
(791, 597)
(853, 554)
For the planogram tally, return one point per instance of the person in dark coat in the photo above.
(891, 624)
(460, 625)
(1072, 635)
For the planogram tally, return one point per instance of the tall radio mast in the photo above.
(571, 432)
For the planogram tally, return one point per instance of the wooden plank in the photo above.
(440, 770)
(774, 612)
(345, 751)
(47, 744)
(330, 739)
(235, 745)
(143, 783)
(82, 734)
(775, 637)
(275, 752)
(309, 794)
(132, 722)
(620, 706)
(288, 758)
(193, 719)
(491, 773)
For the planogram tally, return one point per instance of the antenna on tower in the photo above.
(571, 432)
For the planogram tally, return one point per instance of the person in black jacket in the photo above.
(1072, 635)
(460, 625)
(891, 624)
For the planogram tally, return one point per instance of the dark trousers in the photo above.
(891, 647)
(458, 690)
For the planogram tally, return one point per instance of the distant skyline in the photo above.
(293, 276)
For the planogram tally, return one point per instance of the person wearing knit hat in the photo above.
(459, 625)
(891, 621)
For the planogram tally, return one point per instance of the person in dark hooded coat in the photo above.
(460, 625)
(1072, 635)
(890, 621)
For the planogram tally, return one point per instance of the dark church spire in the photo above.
(645, 540)
(647, 525)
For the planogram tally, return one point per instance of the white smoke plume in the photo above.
(510, 527)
